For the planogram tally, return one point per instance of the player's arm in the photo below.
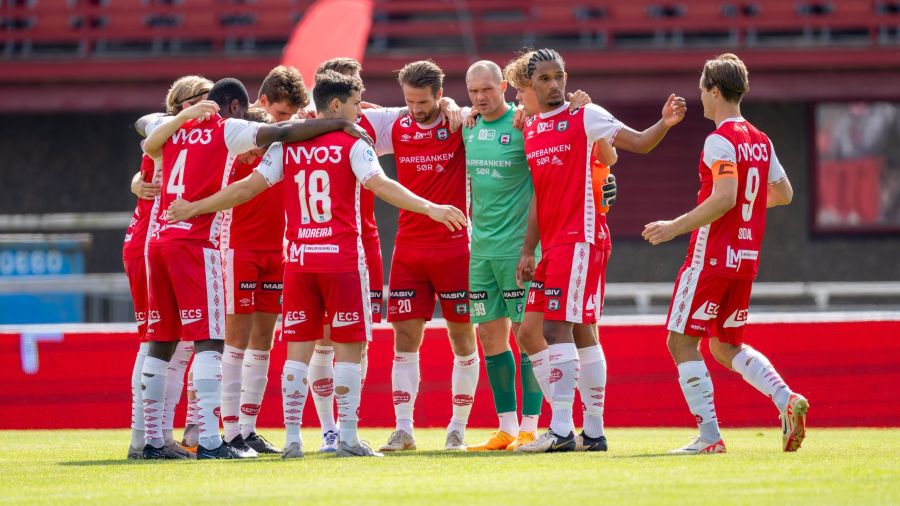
(525, 269)
(606, 153)
(232, 195)
(643, 142)
(140, 126)
(780, 193)
(723, 198)
(157, 137)
(399, 196)
(142, 189)
(301, 130)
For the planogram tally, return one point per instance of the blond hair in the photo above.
(516, 71)
(186, 89)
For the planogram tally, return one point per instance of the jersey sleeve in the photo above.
(776, 170)
(600, 124)
(271, 166)
(155, 123)
(719, 155)
(364, 162)
(382, 121)
(240, 135)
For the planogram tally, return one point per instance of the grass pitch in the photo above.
(835, 466)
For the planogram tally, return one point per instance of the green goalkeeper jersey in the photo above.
(499, 185)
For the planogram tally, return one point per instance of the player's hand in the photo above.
(180, 210)
(452, 113)
(146, 191)
(610, 190)
(519, 118)
(577, 100)
(358, 132)
(659, 232)
(202, 110)
(525, 269)
(472, 118)
(674, 110)
(309, 113)
(368, 105)
(451, 217)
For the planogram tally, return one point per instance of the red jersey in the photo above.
(322, 200)
(558, 148)
(136, 234)
(367, 200)
(431, 162)
(197, 162)
(730, 245)
(256, 225)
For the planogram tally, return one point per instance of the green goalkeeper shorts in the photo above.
(493, 292)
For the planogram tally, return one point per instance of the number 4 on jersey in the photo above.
(176, 179)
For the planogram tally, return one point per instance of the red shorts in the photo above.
(136, 271)
(310, 296)
(187, 297)
(253, 281)
(376, 276)
(418, 274)
(707, 305)
(567, 282)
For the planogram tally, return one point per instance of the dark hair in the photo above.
(331, 85)
(224, 91)
(285, 84)
(543, 55)
(341, 65)
(729, 74)
(422, 74)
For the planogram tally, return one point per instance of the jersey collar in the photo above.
(554, 112)
(734, 119)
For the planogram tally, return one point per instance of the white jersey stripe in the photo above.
(577, 290)
(215, 228)
(215, 295)
(684, 297)
(228, 278)
(590, 209)
(699, 255)
(362, 266)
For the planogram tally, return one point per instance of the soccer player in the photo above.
(326, 267)
(712, 294)
(501, 191)
(183, 93)
(565, 284)
(198, 148)
(251, 244)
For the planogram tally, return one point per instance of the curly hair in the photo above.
(285, 84)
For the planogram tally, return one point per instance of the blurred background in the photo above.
(825, 86)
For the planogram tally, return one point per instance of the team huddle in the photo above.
(248, 212)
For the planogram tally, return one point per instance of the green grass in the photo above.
(835, 466)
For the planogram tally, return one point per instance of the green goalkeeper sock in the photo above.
(501, 370)
(532, 397)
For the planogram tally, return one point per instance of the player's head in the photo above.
(486, 86)
(283, 93)
(256, 115)
(516, 73)
(342, 65)
(724, 80)
(231, 96)
(185, 92)
(337, 95)
(546, 71)
(423, 85)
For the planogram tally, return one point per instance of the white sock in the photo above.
(254, 380)
(174, 386)
(190, 417)
(529, 423)
(540, 365)
(153, 386)
(232, 365)
(697, 387)
(405, 388)
(137, 403)
(321, 384)
(592, 385)
(364, 365)
(759, 372)
(563, 378)
(463, 382)
(208, 382)
(293, 398)
(509, 423)
(347, 385)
